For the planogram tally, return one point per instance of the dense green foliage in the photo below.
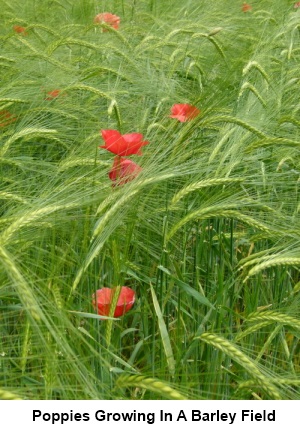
(207, 234)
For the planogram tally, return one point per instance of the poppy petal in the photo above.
(109, 19)
(122, 145)
(103, 298)
(184, 112)
(123, 170)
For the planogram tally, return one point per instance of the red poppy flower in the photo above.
(104, 298)
(109, 19)
(19, 29)
(6, 118)
(123, 170)
(297, 4)
(126, 144)
(184, 112)
(52, 94)
(246, 7)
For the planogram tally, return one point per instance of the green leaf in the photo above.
(95, 316)
(164, 334)
(192, 292)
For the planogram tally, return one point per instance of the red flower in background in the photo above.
(123, 170)
(297, 4)
(123, 145)
(184, 112)
(109, 19)
(246, 7)
(52, 94)
(103, 299)
(6, 118)
(19, 29)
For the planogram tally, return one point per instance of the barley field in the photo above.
(153, 145)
